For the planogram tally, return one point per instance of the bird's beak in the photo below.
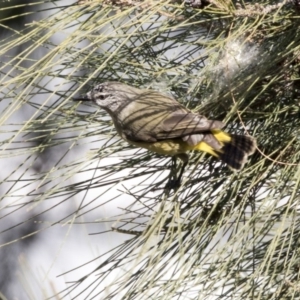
(82, 98)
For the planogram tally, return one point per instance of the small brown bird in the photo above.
(152, 120)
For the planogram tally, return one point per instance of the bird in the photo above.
(150, 119)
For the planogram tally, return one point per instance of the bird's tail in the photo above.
(232, 149)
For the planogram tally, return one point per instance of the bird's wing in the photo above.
(162, 126)
(180, 124)
(149, 119)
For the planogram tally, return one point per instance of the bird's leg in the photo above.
(184, 159)
(174, 181)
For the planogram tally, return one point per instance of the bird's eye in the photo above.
(99, 92)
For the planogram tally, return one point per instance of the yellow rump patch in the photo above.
(177, 146)
(202, 146)
(221, 136)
